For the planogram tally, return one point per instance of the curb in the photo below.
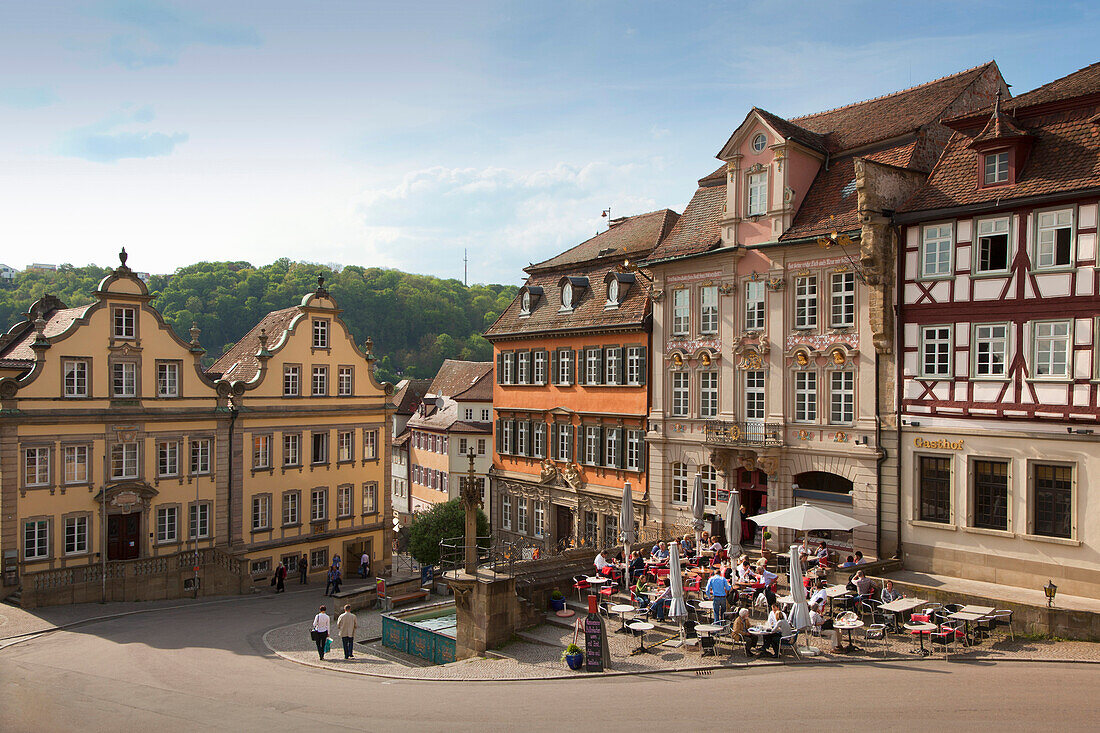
(676, 670)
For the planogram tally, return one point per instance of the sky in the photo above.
(405, 134)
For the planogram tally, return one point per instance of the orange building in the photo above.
(571, 394)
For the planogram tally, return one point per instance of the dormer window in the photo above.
(529, 299)
(572, 289)
(758, 194)
(618, 285)
(613, 292)
(996, 168)
(525, 303)
(567, 296)
(759, 142)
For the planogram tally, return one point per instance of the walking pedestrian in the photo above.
(346, 626)
(364, 565)
(303, 570)
(280, 578)
(319, 632)
(332, 581)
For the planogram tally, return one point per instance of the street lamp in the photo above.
(1051, 590)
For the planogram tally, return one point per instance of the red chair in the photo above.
(580, 582)
(695, 586)
(662, 575)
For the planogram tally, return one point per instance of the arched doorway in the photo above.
(752, 486)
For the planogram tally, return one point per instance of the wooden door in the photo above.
(123, 536)
(563, 525)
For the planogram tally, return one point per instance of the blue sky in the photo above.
(398, 134)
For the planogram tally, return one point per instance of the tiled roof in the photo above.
(57, 322)
(1079, 83)
(1064, 157)
(408, 394)
(458, 377)
(889, 116)
(401, 439)
(240, 362)
(446, 418)
(634, 237)
(792, 131)
(698, 230)
(1000, 126)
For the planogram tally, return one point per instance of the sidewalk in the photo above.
(1011, 594)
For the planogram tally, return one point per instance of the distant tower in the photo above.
(465, 268)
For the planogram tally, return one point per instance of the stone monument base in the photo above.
(487, 611)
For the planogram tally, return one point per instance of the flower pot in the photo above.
(574, 661)
(557, 604)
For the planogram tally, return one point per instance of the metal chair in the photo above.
(946, 635)
(877, 634)
(580, 582)
(1003, 617)
(790, 640)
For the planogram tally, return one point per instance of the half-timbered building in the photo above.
(999, 309)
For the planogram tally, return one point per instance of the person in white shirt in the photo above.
(776, 626)
(346, 625)
(319, 631)
(820, 596)
(819, 621)
(744, 571)
(765, 578)
(364, 565)
(600, 562)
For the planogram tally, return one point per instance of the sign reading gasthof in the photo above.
(941, 444)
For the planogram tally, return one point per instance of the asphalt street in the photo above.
(205, 667)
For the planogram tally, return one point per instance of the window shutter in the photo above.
(500, 435)
(546, 363)
(554, 367)
(621, 377)
(621, 442)
(643, 451)
(601, 366)
(582, 367)
(500, 368)
(642, 366)
(571, 431)
(528, 449)
(513, 359)
(552, 449)
(530, 367)
(598, 458)
(572, 356)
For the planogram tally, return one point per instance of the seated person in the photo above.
(601, 562)
(740, 631)
(848, 562)
(777, 627)
(863, 584)
(641, 588)
(804, 552)
(658, 608)
(824, 625)
(716, 546)
(820, 596)
(822, 556)
(687, 547)
(704, 539)
(656, 547)
(744, 571)
(637, 564)
(662, 551)
(859, 558)
(765, 582)
(889, 595)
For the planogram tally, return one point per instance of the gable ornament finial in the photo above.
(122, 256)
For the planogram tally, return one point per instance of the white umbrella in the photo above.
(626, 526)
(733, 523)
(676, 608)
(697, 509)
(805, 517)
(800, 611)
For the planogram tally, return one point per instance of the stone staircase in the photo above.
(13, 596)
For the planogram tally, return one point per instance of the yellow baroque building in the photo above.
(128, 472)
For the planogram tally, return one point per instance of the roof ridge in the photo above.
(892, 94)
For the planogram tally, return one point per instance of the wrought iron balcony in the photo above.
(744, 433)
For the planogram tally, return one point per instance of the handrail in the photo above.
(743, 433)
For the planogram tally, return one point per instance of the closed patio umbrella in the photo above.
(677, 609)
(626, 526)
(800, 611)
(697, 509)
(733, 523)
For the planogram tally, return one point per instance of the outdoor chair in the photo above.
(877, 634)
(707, 644)
(1003, 617)
(947, 635)
(790, 640)
(580, 582)
(869, 607)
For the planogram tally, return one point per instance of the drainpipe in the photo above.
(878, 463)
(229, 481)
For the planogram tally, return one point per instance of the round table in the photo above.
(709, 629)
(848, 626)
(921, 628)
(622, 609)
(596, 580)
(641, 627)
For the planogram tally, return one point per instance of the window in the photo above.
(936, 351)
(567, 296)
(843, 302)
(320, 448)
(996, 168)
(591, 526)
(758, 194)
(680, 394)
(292, 449)
(485, 415)
(76, 535)
(635, 450)
(990, 349)
(463, 446)
(565, 442)
(468, 414)
(565, 367)
(36, 470)
(759, 142)
(610, 530)
(168, 380)
(805, 396)
(709, 478)
(124, 460)
(167, 524)
(76, 464)
(257, 567)
(681, 312)
(523, 367)
(199, 521)
(291, 563)
(507, 437)
(124, 379)
(708, 394)
(538, 442)
(200, 456)
(540, 515)
(523, 438)
(320, 381)
(320, 334)
(754, 305)
(635, 365)
(370, 497)
(613, 367)
(842, 397)
(936, 248)
(292, 380)
(318, 559)
(1053, 500)
(506, 512)
(754, 395)
(168, 458)
(481, 441)
(343, 501)
(525, 303)
(291, 510)
(370, 445)
(261, 512)
(521, 515)
(708, 309)
(593, 366)
(36, 539)
(1055, 240)
(991, 494)
(261, 451)
(992, 245)
(124, 319)
(679, 483)
(343, 446)
(934, 480)
(540, 367)
(805, 301)
(1051, 348)
(507, 361)
(76, 377)
(343, 381)
(318, 505)
(591, 445)
(612, 447)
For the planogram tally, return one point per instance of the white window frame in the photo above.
(612, 447)
(292, 380)
(756, 194)
(565, 367)
(567, 296)
(681, 394)
(506, 511)
(805, 396)
(937, 251)
(539, 528)
(168, 379)
(1037, 342)
(344, 445)
(198, 521)
(261, 451)
(754, 406)
(521, 515)
(593, 360)
(842, 299)
(344, 381)
(124, 379)
(842, 397)
(318, 505)
(168, 458)
(937, 341)
(539, 367)
(708, 309)
(319, 382)
(805, 302)
(261, 512)
(292, 449)
(370, 445)
(538, 441)
(984, 334)
(75, 464)
(124, 322)
(991, 227)
(634, 360)
(613, 365)
(679, 483)
(1048, 250)
(41, 539)
(168, 522)
(709, 478)
(345, 504)
(681, 312)
(635, 444)
(756, 312)
(36, 471)
(125, 460)
(76, 377)
(320, 333)
(708, 394)
(76, 535)
(998, 171)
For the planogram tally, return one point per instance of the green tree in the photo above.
(442, 522)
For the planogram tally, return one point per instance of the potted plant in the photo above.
(764, 551)
(573, 656)
(557, 601)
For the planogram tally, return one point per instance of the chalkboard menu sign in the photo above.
(595, 643)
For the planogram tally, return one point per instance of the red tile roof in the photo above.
(633, 237)
(698, 229)
(240, 362)
(463, 380)
(57, 322)
(1078, 84)
(791, 131)
(408, 394)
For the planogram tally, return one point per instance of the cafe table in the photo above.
(901, 606)
(622, 609)
(641, 627)
(848, 626)
(966, 617)
(921, 628)
(709, 630)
